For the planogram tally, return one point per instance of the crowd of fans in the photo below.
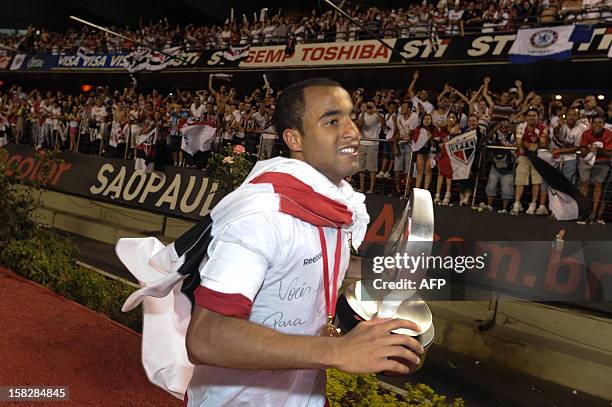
(405, 128)
(417, 19)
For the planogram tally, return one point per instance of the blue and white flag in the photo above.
(537, 44)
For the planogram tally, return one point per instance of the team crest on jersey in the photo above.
(544, 38)
(463, 151)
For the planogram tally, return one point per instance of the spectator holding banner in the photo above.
(447, 132)
(268, 136)
(466, 186)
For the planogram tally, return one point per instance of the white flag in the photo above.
(197, 137)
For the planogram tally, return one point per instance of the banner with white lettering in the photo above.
(482, 47)
(146, 60)
(151, 60)
(178, 191)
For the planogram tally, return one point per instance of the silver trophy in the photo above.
(412, 236)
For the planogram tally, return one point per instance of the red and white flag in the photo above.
(145, 151)
(236, 53)
(420, 137)
(457, 156)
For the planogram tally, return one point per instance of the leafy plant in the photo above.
(230, 168)
(344, 390)
(17, 203)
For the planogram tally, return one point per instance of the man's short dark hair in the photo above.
(290, 104)
(533, 109)
(289, 107)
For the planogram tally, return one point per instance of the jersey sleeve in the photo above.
(238, 260)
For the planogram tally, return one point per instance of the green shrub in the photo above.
(344, 390)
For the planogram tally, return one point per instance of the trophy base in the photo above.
(348, 318)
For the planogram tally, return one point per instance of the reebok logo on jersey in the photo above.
(312, 259)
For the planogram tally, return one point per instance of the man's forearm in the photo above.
(217, 340)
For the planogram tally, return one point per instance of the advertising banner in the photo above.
(23, 62)
(323, 54)
(179, 192)
(482, 48)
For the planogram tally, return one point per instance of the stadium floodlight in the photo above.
(601, 97)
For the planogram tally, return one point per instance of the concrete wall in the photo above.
(104, 222)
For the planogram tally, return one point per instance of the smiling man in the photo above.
(261, 332)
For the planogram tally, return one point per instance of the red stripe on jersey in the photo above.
(230, 305)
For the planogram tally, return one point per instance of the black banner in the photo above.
(489, 47)
(180, 192)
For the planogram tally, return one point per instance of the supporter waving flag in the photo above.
(457, 156)
(565, 200)
(118, 134)
(196, 137)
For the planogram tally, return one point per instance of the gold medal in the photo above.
(329, 329)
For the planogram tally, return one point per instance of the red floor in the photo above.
(46, 340)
